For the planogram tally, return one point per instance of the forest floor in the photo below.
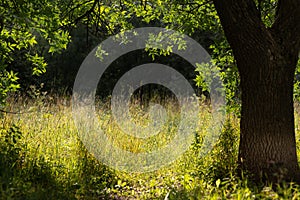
(42, 157)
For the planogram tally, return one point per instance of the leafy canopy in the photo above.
(27, 29)
(31, 28)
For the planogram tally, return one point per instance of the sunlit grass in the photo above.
(53, 163)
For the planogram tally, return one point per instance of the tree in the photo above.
(266, 59)
(28, 29)
(32, 30)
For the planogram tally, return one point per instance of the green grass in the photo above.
(42, 157)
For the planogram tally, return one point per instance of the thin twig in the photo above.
(15, 113)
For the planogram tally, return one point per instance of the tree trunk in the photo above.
(267, 141)
(266, 59)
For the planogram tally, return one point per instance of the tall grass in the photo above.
(42, 157)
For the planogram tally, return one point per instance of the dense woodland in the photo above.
(255, 45)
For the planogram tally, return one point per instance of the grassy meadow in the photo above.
(42, 157)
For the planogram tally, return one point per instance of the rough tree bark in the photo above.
(266, 60)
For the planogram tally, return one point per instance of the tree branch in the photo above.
(87, 12)
(287, 22)
(1, 24)
(238, 17)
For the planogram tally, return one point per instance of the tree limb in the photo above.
(86, 13)
(1, 24)
(237, 16)
(287, 22)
